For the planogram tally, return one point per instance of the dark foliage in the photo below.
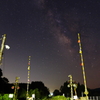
(40, 86)
(65, 89)
(1, 74)
(80, 90)
(6, 87)
(56, 92)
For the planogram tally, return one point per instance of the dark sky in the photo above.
(47, 31)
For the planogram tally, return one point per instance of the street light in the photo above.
(7, 47)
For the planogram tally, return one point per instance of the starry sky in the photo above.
(47, 31)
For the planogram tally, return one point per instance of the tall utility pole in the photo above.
(2, 47)
(16, 88)
(82, 64)
(28, 78)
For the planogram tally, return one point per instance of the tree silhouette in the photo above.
(36, 92)
(38, 88)
(65, 89)
(79, 90)
(5, 80)
(1, 74)
(3, 83)
(56, 92)
(41, 87)
(21, 94)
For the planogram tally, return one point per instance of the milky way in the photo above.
(47, 30)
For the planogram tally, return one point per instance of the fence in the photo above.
(94, 97)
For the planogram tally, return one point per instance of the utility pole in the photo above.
(71, 86)
(16, 88)
(28, 78)
(2, 47)
(82, 64)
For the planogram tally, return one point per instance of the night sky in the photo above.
(47, 31)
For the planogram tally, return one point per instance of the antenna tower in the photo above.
(82, 64)
(28, 77)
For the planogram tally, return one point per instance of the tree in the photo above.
(21, 94)
(37, 94)
(80, 89)
(65, 89)
(5, 80)
(44, 91)
(3, 83)
(56, 92)
(1, 74)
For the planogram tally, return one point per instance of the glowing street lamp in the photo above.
(7, 47)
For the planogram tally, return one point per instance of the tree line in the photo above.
(65, 90)
(40, 90)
